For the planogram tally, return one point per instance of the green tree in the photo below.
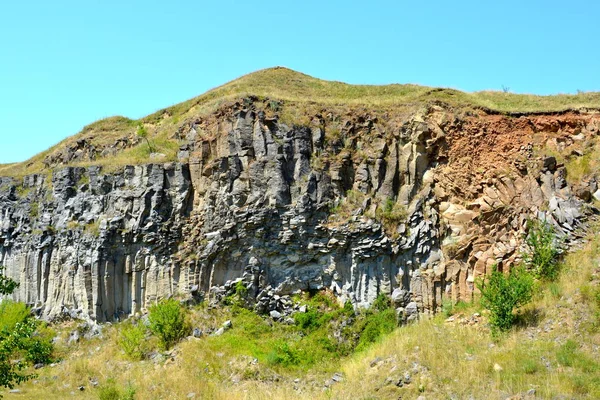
(18, 345)
(501, 294)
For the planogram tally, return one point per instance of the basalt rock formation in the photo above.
(417, 204)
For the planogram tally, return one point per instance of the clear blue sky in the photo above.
(66, 63)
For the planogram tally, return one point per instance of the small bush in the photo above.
(238, 298)
(542, 257)
(38, 350)
(382, 302)
(376, 325)
(308, 320)
(132, 340)
(285, 355)
(167, 322)
(502, 294)
(11, 313)
(110, 391)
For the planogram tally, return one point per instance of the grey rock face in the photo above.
(95, 245)
(250, 214)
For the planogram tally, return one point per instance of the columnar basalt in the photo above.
(360, 204)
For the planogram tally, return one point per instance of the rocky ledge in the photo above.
(418, 205)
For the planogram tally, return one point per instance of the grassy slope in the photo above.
(291, 86)
(554, 351)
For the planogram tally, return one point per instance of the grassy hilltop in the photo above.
(299, 92)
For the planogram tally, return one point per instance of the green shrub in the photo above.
(391, 212)
(308, 320)
(110, 391)
(375, 325)
(38, 350)
(285, 355)
(7, 285)
(11, 313)
(132, 340)
(20, 344)
(501, 294)
(142, 133)
(542, 257)
(382, 302)
(238, 298)
(168, 322)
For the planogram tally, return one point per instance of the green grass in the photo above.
(290, 94)
(265, 358)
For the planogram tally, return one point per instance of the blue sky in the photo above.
(65, 63)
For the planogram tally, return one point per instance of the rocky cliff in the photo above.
(418, 203)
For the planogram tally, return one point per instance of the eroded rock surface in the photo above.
(419, 205)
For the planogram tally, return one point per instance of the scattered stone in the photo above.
(374, 362)
(74, 337)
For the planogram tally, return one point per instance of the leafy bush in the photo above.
(142, 133)
(285, 355)
(375, 325)
(168, 322)
(238, 298)
(38, 350)
(501, 294)
(7, 285)
(382, 302)
(18, 340)
(308, 320)
(12, 313)
(132, 340)
(542, 257)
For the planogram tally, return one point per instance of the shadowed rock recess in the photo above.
(416, 204)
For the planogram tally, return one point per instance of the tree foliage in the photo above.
(20, 345)
(501, 294)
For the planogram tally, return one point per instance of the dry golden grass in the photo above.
(299, 91)
(554, 350)
(460, 359)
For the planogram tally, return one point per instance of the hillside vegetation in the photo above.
(551, 352)
(298, 92)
